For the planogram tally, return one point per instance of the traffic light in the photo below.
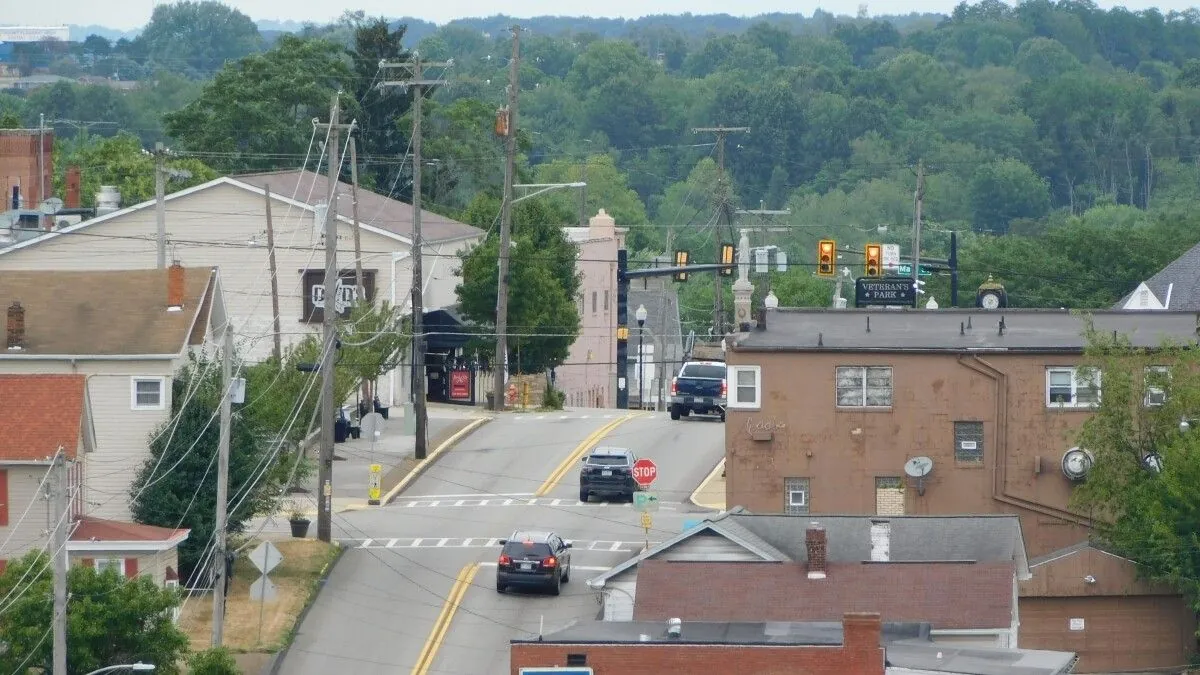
(681, 260)
(727, 255)
(826, 254)
(874, 260)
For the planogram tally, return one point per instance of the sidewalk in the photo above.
(711, 493)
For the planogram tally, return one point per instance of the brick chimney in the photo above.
(16, 327)
(861, 630)
(814, 541)
(73, 188)
(175, 287)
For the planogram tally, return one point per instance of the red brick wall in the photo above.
(19, 165)
(860, 655)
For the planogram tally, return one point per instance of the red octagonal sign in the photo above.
(644, 472)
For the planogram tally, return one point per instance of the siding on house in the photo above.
(18, 534)
(153, 564)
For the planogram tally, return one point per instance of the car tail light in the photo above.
(724, 388)
(505, 560)
(674, 386)
(550, 562)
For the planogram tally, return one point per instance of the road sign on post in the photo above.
(374, 480)
(905, 270)
(884, 292)
(265, 558)
(644, 472)
(646, 502)
(891, 257)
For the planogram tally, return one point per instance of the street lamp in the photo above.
(139, 666)
(640, 315)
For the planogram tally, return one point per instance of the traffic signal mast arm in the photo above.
(666, 271)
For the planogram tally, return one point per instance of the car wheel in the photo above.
(584, 496)
(722, 417)
(674, 412)
(499, 586)
(556, 586)
(567, 573)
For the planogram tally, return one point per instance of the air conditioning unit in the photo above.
(67, 220)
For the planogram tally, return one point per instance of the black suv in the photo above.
(541, 559)
(607, 472)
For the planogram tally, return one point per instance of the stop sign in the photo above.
(644, 472)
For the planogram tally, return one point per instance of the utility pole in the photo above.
(274, 277)
(418, 82)
(62, 525)
(726, 211)
(498, 367)
(329, 332)
(160, 202)
(219, 528)
(918, 198)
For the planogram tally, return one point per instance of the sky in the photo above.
(132, 14)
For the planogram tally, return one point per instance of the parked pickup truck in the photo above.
(699, 388)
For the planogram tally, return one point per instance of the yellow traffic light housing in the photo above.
(874, 260)
(826, 258)
(681, 260)
(727, 256)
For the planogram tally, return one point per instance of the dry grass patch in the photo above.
(295, 580)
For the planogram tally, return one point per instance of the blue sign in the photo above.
(557, 671)
(905, 269)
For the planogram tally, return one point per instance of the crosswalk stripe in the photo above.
(524, 501)
(579, 545)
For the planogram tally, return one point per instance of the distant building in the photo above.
(34, 33)
(20, 163)
(1175, 287)
(586, 378)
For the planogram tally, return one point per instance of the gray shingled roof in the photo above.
(1041, 331)
(826, 633)
(1182, 276)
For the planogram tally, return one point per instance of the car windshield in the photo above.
(703, 371)
(608, 460)
(514, 549)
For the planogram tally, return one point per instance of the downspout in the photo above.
(1000, 461)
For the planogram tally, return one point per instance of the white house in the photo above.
(223, 223)
(127, 332)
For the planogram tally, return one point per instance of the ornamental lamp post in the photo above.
(640, 315)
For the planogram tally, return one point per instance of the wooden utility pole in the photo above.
(725, 207)
(160, 202)
(221, 583)
(274, 278)
(498, 367)
(918, 199)
(329, 332)
(61, 531)
(418, 82)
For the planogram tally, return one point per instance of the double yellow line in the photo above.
(581, 449)
(434, 642)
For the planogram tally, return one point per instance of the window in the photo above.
(968, 442)
(102, 564)
(747, 386)
(1156, 380)
(147, 393)
(593, 302)
(606, 300)
(1071, 387)
(576, 659)
(889, 496)
(795, 496)
(864, 387)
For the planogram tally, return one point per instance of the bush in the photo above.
(553, 399)
(214, 661)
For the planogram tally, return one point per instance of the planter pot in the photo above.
(299, 527)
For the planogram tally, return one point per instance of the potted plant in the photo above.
(298, 521)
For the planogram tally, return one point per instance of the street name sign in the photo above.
(905, 270)
(644, 472)
(886, 291)
(646, 502)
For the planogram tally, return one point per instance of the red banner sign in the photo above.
(460, 385)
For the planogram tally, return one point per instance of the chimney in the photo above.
(861, 630)
(74, 187)
(602, 226)
(16, 327)
(175, 287)
(814, 540)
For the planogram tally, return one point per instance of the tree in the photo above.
(176, 486)
(375, 41)
(198, 37)
(9, 120)
(260, 107)
(607, 188)
(121, 161)
(1150, 516)
(1004, 190)
(110, 619)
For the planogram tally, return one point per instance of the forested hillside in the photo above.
(1060, 140)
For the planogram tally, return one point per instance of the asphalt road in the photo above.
(416, 592)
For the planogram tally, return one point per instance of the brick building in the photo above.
(20, 163)
(828, 407)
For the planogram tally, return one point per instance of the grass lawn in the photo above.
(295, 580)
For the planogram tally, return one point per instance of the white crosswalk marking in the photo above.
(579, 545)
(419, 503)
(391, 543)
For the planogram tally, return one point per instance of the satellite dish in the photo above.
(918, 467)
(1076, 463)
(371, 424)
(51, 206)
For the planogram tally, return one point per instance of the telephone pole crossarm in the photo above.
(725, 210)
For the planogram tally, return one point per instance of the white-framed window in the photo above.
(102, 564)
(1156, 379)
(795, 496)
(1072, 387)
(148, 393)
(746, 386)
(864, 386)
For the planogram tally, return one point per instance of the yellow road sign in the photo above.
(373, 484)
(647, 521)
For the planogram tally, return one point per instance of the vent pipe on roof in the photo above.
(674, 628)
(108, 199)
(175, 287)
(15, 339)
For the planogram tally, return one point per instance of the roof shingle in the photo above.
(98, 529)
(41, 414)
(946, 595)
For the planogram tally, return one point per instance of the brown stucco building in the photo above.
(828, 406)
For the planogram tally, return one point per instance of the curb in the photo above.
(277, 660)
(432, 457)
(694, 498)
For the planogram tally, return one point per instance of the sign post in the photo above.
(265, 558)
(647, 523)
(374, 480)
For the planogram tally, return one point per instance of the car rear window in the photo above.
(701, 371)
(608, 460)
(520, 548)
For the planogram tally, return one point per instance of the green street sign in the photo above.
(905, 269)
(646, 502)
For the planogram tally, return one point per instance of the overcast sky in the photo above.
(130, 14)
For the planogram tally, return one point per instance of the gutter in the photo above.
(87, 357)
(1000, 463)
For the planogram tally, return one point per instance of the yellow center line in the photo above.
(440, 627)
(587, 444)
